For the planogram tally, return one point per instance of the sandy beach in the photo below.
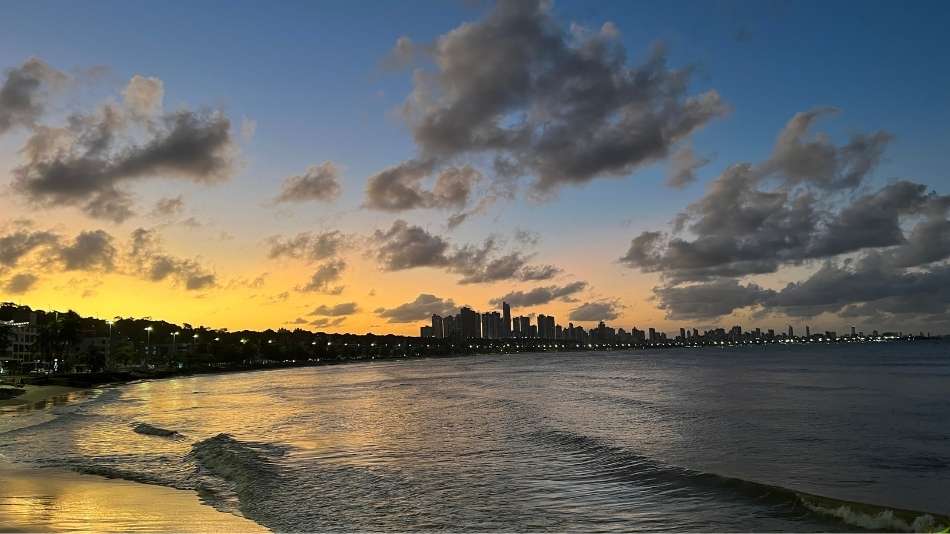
(50, 500)
(41, 394)
(56, 500)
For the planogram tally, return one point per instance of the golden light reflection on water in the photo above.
(53, 501)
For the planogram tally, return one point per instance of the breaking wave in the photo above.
(236, 475)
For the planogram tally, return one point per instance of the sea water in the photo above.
(755, 438)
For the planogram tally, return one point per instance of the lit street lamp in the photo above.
(148, 343)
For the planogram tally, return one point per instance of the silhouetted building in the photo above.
(437, 328)
(470, 323)
(506, 319)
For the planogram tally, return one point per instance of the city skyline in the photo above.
(367, 192)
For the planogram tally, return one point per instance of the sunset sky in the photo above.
(357, 166)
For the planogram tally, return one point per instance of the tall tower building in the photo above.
(437, 328)
(505, 319)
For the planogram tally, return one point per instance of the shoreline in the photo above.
(57, 500)
(43, 389)
(42, 395)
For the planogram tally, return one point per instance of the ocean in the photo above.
(756, 438)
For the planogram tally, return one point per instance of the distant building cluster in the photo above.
(469, 324)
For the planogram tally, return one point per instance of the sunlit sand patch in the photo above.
(46, 500)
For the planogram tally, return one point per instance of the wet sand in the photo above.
(47, 500)
(34, 394)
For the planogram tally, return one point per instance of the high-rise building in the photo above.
(683, 334)
(807, 331)
(471, 327)
(505, 319)
(525, 326)
(653, 337)
(449, 327)
(791, 331)
(437, 328)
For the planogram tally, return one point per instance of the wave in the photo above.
(236, 473)
(616, 462)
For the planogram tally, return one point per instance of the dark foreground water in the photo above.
(711, 440)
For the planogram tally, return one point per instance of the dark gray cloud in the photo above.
(682, 167)
(605, 310)
(562, 105)
(169, 206)
(419, 309)
(90, 250)
(401, 188)
(345, 308)
(21, 242)
(148, 259)
(817, 161)
(320, 182)
(741, 230)
(742, 226)
(539, 295)
(324, 277)
(87, 162)
(20, 283)
(24, 92)
(405, 246)
(308, 245)
(809, 202)
(709, 299)
(538, 273)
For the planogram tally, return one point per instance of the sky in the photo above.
(358, 166)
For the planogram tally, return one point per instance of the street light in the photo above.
(148, 342)
(174, 337)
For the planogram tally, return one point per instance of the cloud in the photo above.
(596, 311)
(742, 227)
(325, 322)
(560, 104)
(817, 161)
(422, 308)
(169, 206)
(709, 300)
(90, 250)
(19, 243)
(537, 273)
(324, 276)
(89, 161)
(882, 250)
(143, 96)
(309, 246)
(345, 308)
(20, 283)
(539, 295)
(404, 246)
(400, 188)
(149, 260)
(320, 182)
(682, 167)
(407, 247)
(24, 93)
